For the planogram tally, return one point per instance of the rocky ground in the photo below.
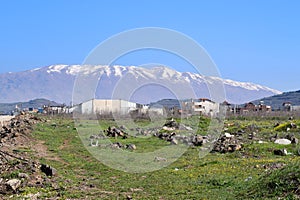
(18, 169)
(228, 142)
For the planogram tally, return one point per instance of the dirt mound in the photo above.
(17, 168)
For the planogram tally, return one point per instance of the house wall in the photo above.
(127, 106)
(295, 108)
(103, 106)
(205, 107)
(87, 107)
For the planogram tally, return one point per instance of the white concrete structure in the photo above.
(106, 106)
(200, 107)
(295, 108)
(156, 111)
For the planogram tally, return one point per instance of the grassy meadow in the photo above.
(251, 173)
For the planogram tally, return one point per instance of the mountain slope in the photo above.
(56, 83)
(276, 101)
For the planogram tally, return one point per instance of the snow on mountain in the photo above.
(56, 68)
(56, 82)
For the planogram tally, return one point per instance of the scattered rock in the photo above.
(20, 125)
(280, 152)
(293, 125)
(172, 124)
(276, 124)
(48, 170)
(136, 189)
(283, 141)
(54, 125)
(295, 141)
(13, 184)
(274, 166)
(160, 159)
(228, 135)
(261, 142)
(119, 145)
(169, 128)
(32, 196)
(116, 145)
(128, 197)
(99, 136)
(235, 147)
(197, 140)
(292, 138)
(252, 135)
(131, 146)
(166, 136)
(115, 132)
(15, 134)
(226, 144)
(23, 175)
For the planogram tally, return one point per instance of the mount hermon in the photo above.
(56, 83)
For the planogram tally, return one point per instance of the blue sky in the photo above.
(255, 41)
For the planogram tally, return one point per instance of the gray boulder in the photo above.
(131, 146)
(13, 184)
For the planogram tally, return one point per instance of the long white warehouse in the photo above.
(106, 106)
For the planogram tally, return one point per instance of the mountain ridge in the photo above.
(56, 82)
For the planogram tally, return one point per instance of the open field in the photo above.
(254, 172)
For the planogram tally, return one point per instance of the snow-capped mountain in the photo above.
(56, 83)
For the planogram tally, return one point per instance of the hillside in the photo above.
(6, 108)
(168, 103)
(277, 100)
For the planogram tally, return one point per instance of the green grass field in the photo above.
(243, 174)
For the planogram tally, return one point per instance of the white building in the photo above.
(156, 110)
(295, 108)
(106, 106)
(200, 107)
